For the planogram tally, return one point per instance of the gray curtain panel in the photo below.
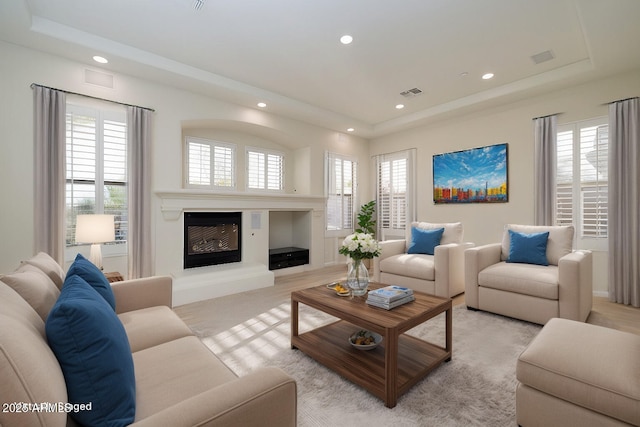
(141, 254)
(545, 169)
(49, 110)
(624, 202)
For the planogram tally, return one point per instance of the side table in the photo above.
(114, 276)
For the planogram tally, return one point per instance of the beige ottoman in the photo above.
(576, 374)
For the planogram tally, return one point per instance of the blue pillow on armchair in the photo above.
(528, 248)
(424, 241)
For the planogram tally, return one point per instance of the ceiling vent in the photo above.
(541, 57)
(197, 4)
(411, 92)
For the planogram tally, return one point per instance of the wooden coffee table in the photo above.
(393, 367)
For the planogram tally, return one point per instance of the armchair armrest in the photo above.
(387, 248)
(575, 285)
(146, 292)
(265, 397)
(475, 260)
(449, 268)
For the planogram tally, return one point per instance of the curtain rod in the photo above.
(93, 97)
(620, 100)
(548, 115)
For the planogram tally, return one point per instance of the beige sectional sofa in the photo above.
(178, 381)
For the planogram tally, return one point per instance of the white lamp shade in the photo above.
(95, 229)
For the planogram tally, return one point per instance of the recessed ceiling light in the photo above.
(346, 39)
(399, 106)
(100, 59)
(487, 76)
(350, 130)
(262, 104)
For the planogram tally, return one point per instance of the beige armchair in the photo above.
(531, 292)
(440, 274)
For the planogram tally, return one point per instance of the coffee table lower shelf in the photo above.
(329, 345)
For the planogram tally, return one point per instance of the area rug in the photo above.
(476, 388)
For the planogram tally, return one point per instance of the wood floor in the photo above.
(220, 314)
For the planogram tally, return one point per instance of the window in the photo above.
(395, 183)
(582, 177)
(265, 170)
(96, 163)
(340, 187)
(210, 164)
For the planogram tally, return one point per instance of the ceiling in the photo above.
(287, 53)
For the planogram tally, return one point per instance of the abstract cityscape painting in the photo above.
(477, 175)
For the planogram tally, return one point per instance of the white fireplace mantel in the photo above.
(174, 203)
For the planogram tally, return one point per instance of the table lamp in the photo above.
(95, 229)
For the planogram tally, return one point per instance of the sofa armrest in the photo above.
(146, 292)
(449, 268)
(265, 397)
(475, 260)
(575, 281)
(387, 248)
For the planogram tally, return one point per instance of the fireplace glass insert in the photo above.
(212, 238)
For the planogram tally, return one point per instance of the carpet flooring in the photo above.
(476, 388)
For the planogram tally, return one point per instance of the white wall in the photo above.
(512, 123)
(175, 111)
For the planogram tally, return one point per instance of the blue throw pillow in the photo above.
(528, 248)
(93, 350)
(93, 276)
(424, 241)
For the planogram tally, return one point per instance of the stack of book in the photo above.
(390, 297)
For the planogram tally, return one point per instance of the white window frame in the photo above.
(270, 179)
(399, 188)
(80, 172)
(576, 167)
(341, 193)
(219, 173)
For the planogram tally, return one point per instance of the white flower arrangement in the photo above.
(360, 246)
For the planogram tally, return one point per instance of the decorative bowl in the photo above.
(377, 339)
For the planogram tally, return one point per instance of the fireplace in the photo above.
(212, 238)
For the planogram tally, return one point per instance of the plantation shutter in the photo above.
(275, 172)
(265, 170)
(340, 191)
(224, 166)
(210, 164)
(395, 195)
(594, 146)
(96, 167)
(564, 178)
(199, 168)
(582, 179)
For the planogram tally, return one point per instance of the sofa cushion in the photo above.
(590, 366)
(528, 248)
(94, 277)
(528, 279)
(424, 241)
(194, 370)
(151, 326)
(49, 266)
(29, 370)
(559, 244)
(453, 231)
(412, 265)
(35, 287)
(92, 348)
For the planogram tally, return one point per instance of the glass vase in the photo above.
(357, 277)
